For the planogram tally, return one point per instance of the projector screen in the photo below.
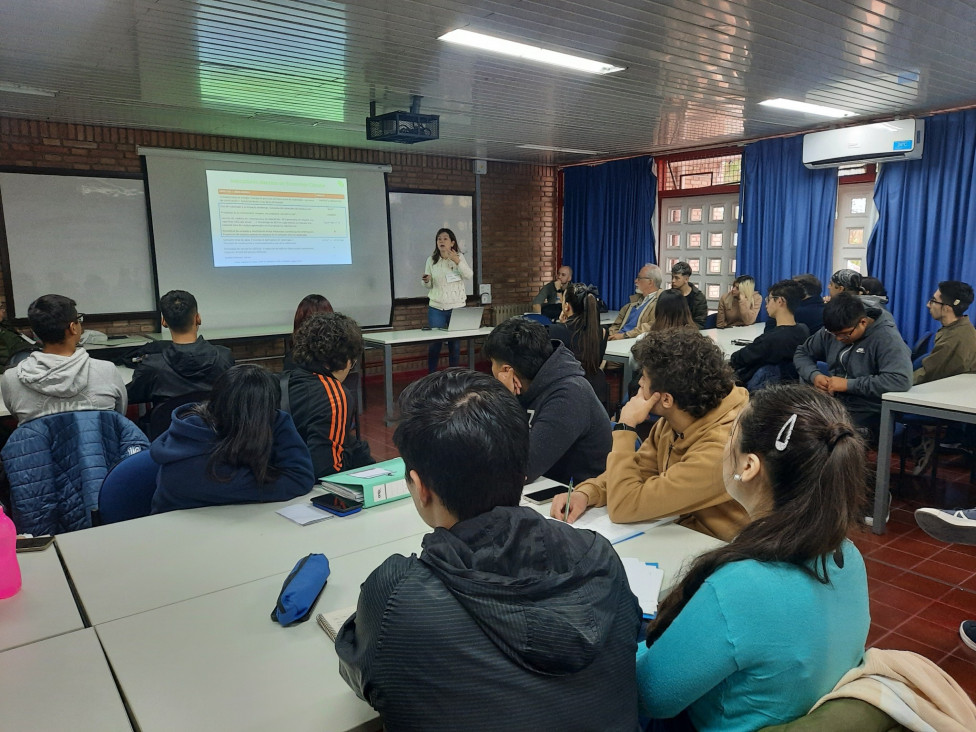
(250, 236)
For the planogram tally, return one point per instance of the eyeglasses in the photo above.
(846, 333)
(80, 318)
(770, 298)
(933, 301)
(638, 277)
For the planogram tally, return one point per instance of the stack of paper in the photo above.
(645, 582)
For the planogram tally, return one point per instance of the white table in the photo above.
(219, 662)
(619, 351)
(61, 683)
(227, 334)
(953, 398)
(608, 317)
(43, 608)
(388, 339)
(133, 566)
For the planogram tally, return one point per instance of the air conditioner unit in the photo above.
(882, 142)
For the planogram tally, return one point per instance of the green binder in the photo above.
(372, 484)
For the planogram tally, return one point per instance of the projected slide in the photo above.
(260, 220)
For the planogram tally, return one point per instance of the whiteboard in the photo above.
(414, 220)
(83, 237)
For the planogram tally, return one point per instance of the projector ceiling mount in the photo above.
(404, 127)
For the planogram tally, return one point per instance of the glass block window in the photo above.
(735, 212)
(859, 205)
(732, 271)
(854, 264)
(674, 241)
(694, 241)
(695, 214)
(735, 238)
(674, 215)
(695, 265)
(714, 266)
(671, 262)
(717, 213)
(716, 239)
(855, 237)
(713, 292)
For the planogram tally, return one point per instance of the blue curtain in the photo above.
(786, 214)
(607, 213)
(926, 221)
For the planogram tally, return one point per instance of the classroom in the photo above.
(684, 143)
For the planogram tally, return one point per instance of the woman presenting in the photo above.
(444, 276)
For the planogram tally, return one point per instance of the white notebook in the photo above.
(331, 621)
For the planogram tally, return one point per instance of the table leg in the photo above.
(388, 381)
(881, 487)
(625, 384)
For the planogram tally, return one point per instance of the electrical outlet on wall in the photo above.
(485, 291)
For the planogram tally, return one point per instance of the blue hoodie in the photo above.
(182, 453)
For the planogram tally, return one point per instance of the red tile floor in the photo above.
(920, 588)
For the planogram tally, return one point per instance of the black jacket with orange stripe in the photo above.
(323, 414)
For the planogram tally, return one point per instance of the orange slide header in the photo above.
(278, 194)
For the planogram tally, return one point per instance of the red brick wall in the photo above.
(518, 202)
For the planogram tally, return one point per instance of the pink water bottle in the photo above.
(9, 568)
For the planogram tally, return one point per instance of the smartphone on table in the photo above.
(544, 495)
(33, 543)
(336, 504)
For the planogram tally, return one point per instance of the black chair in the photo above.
(711, 321)
(921, 347)
(162, 414)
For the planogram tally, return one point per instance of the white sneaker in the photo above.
(953, 526)
(922, 454)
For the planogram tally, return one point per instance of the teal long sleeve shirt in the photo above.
(758, 644)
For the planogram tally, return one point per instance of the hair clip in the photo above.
(781, 441)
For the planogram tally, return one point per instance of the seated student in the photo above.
(844, 280)
(550, 294)
(810, 310)
(506, 620)
(570, 433)
(873, 292)
(309, 306)
(11, 341)
(864, 353)
(587, 337)
(60, 377)
(326, 347)
(697, 304)
(779, 615)
(637, 316)
(237, 447)
(954, 350)
(686, 381)
(740, 305)
(187, 364)
(772, 352)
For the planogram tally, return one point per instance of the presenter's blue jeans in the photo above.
(441, 319)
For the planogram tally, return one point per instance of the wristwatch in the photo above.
(621, 427)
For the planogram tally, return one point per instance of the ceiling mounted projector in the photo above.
(404, 127)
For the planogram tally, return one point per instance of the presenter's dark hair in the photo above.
(957, 295)
(812, 285)
(587, 333)
(436, 256)
(327, 342)
(671, 311)
(843, 311)
(816, 483)
(50, 316)
(468, 439)
(242, 410)
(791, 291)
(521, 343)
(179, 308)
(686, 365)
(310, 305)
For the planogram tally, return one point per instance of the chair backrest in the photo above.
(921, 347)
(127, 490)
(538, 317)
(162, 414)
(711, 321)
(56, 465)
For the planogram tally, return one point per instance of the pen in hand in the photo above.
(569, 495)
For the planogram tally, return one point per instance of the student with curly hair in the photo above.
(326, 348)
(685, 381)
(761, 628)
(237, 447)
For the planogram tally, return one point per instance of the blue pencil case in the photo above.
(301, 590)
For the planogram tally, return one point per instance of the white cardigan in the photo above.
(446, 295)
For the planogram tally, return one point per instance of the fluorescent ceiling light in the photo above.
(795, 106)
(562, 149)
(9, 86)
(531, 53)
